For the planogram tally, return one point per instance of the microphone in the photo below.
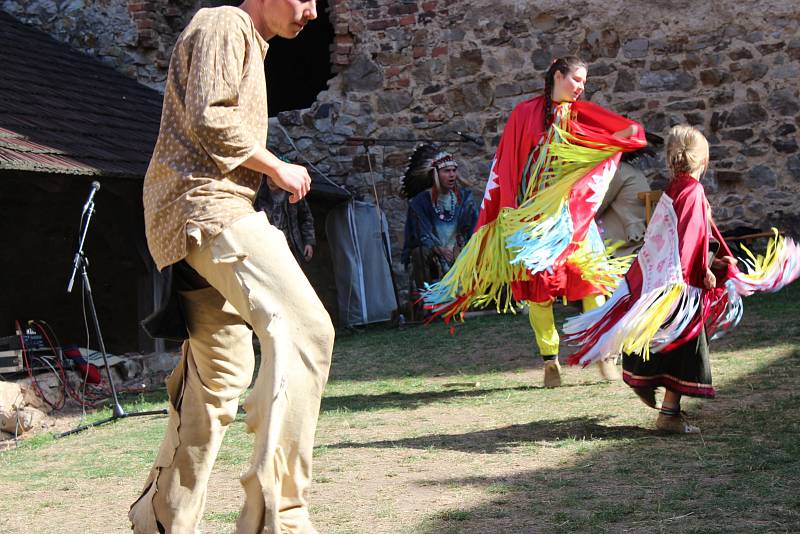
(76, 261)
(95, 189)
(478, 140)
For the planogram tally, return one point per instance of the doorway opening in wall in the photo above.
(299, 69)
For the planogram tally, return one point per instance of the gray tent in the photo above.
(359, 238)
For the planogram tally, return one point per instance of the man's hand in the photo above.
(287, 176)
(630, 131)
(443, 252)
(446, 253)
(308, 252)
(709, 281)
(720, 263)
(636, 232)
(292, 178)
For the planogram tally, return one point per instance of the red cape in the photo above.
(521, 135)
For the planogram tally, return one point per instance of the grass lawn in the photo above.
(423, 432)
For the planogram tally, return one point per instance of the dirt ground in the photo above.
(471, 442)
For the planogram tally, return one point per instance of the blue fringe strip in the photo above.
(539, 250)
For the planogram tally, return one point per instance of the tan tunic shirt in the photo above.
(621, 215)
(214, 118)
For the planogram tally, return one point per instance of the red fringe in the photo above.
(589, 337)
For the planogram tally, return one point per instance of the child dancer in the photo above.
(683, 287)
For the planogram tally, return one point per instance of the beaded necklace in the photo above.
(445, 207)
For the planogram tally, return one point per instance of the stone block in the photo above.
(664, 64)
(793, 166)
(21, 420)
(714, 77)
(753, 95)
(544, 22)
(695, 119)
(770, 48)
(160, 362)
(601, 69)
(468, 63)
(636, 48)
(401, 8)
(666, 81)
(691, 61)
(341, 129)
(600, 43)
(540, 57)
(626, 81)
(719, 152)
(362, 75)
(740, 53)
(686, 105)
(323, 125)
(477, 96)
(746, 114)
(723, 96)
(793, 49)
(290, 118)
(784, 102)
(393, 101)
(754, 151)
(655, 121)
(763, 176)
(729, 176)
(627, 106)
(10, 396)
(378, 25)
(508, 89)
(747, 72)
(785, 146)
(740, 134)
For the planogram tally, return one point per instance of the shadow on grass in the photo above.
(502, 343)
(499, 440)
(409, 401)
(741, 475)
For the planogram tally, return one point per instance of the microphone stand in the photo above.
(81, 262)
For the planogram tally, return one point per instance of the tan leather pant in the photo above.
(255, 281)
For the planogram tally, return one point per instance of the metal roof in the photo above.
(67, 113)
(63, 112)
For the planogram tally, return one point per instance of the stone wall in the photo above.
(422, 69)
(134, 36)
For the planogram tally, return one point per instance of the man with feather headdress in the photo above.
(441, 214)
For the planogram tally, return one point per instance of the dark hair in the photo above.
(564, 65)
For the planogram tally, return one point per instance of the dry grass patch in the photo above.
(423, 432)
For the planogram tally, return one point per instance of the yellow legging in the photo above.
(540, 315)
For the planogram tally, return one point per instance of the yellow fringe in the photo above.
(561, 166)
(601, 269)
(645, 326)
(483, 269)
(763, 264)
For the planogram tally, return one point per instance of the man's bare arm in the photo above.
(287, 176)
